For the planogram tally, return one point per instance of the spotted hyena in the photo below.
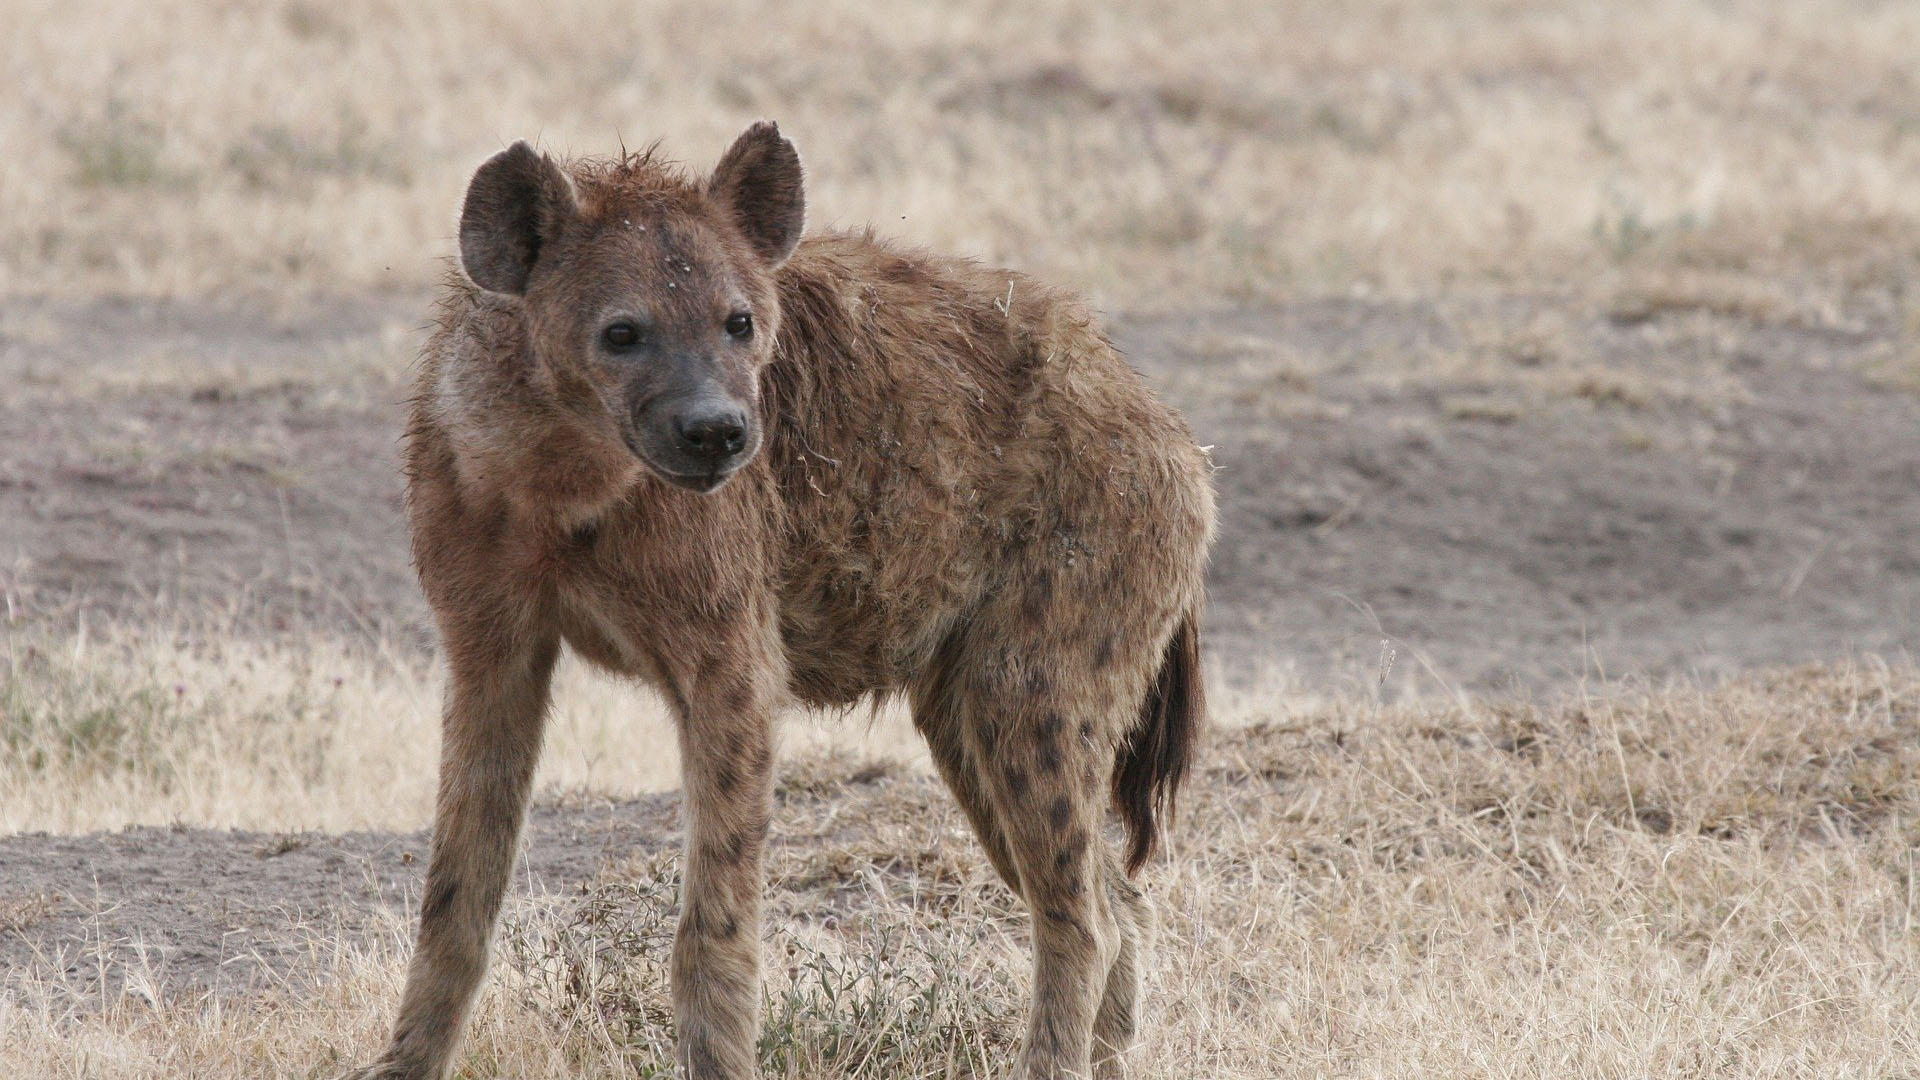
(657, 426)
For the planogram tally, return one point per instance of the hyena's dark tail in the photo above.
(1153, 761)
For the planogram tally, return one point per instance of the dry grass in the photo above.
(1157, 155)
(137, 725)
(1687, 882)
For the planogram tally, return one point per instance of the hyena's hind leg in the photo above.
(1115, 1023)
(1159, 728)
(1029, 763)
(1114, 1020)
(938, 714)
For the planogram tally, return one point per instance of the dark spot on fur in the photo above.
(702, 1063)
(989, 733)
(1017, 783)
(728, 609)
(1060, 812)
(724, 779)
(1086, 730)
(1061, 916)
(702, 923)
(1033, 606)
(1070, 852)
(735, 847)
(1049, 758)
(739, 698)
(738, 750)
(494, 526)
(679, 700)
(1037, 682)
(673, 248)
(439, 899)
(1048, 733)
(584, 535)
(753, 832)
(1103, 653)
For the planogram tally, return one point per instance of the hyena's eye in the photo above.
(621, 335)
(740, 324)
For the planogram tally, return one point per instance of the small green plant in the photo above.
(117, 150)
(101, 714)
(56, 718)
(1626, 229)
(602, 966)
(278, 156)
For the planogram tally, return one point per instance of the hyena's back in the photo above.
(943, 435)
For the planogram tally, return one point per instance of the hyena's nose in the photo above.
(712, 433)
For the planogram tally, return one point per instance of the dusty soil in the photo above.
(1645, 494)
(231, 911)
(1680, 493)
(1628, 508)
(163, 463)
(207, 911)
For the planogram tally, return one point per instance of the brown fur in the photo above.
(961, 494)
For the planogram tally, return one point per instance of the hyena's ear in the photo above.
(518, 200)
(758, 181)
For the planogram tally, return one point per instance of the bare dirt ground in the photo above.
(235, 911)
(1630, 491)
(1630, 512)
(1510, 493)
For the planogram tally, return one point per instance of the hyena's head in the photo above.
(649, 293)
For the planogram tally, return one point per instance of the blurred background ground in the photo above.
(1561, 362)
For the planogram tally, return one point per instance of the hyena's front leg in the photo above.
(496, 703)
(726, 744)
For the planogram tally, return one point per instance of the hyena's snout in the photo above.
(697, 439)
(713, 431)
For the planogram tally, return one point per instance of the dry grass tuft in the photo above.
(888, 992)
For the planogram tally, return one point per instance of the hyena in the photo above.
(657, 426)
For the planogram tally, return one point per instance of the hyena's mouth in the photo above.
(703, 483)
